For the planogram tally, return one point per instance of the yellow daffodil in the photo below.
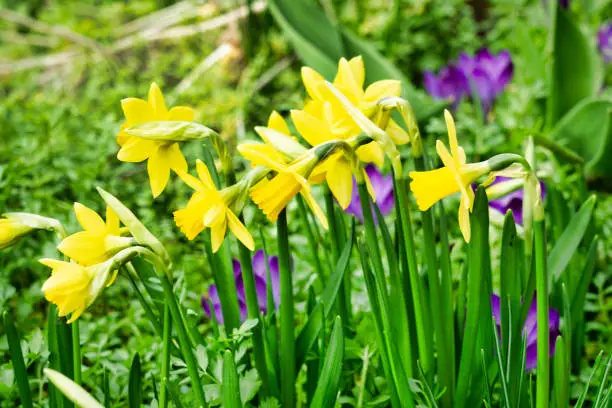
(73, 287)
(210, 208)
(456, 176)
(349, 80)
(98, 242)
(337, 169)
(272, 195)
(162, 155)
(11, 231)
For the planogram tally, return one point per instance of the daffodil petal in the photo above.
(382, 89)
(312, 82)
(217, 234)
(464, 222)
(136, 150)
(315, 208)
(277, 123)
(182, 113)
(204, 175)
(398, 135)
(340, 181)
(174, 157)
(452, 136)
(112, 221)
(156, 99)
(240, 230)
(372, 153)
(136, 111)
(311, 128)
(159, 173)
(89, 219)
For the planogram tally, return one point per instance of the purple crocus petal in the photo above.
(432, 85)
(213, 296)
(262, 295)
(483, 84)
(498, 68)
(496, 308)
(243, 310)
(237, 268)
(530, 329)
(604, 42)
(383, 188)
(466, 64)
(259, 264)
(275, 279)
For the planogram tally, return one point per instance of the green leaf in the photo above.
(230, 386)
(587, 130)
(327, 390)
(310, 331)
(585, 280)
(135, 386)
(21, 376)
(315, 40)
(72, 390)
(320, 44)
(576, 68)
(561, 374)
(567, 244)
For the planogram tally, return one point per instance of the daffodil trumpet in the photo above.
(73, 287)
(212, 208)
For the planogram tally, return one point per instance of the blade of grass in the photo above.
(19, 368)
(327, 391)
(135, 385)
(230, 386)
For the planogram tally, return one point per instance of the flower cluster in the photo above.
(484, 75)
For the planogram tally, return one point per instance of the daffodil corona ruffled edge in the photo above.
(210, 208)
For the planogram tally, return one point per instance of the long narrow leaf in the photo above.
(327, 391)
(19, 368)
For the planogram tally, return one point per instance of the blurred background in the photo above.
(65, 66)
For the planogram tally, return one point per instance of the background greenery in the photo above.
(59, 117)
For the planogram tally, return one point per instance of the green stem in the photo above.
(543, 368)
(165, 367)
(253, 312)
(312, 242)
(76, 351)
(336, 238)
(421, 322)
(185, 343)
(287, 334)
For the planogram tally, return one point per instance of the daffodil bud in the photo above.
(170, 130)
(16, 225)
(142, 235)
(369, 128)
(413, 129)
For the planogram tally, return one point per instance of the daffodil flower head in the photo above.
(162, 155)
(99, 241)
(457, 175)
(73, 287)
(211, 208)
(273, 194)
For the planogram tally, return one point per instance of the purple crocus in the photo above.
(450, 84)
(383, 188)
(512, 201)
(604, 42)
(485, 73)
(260, 274)
(530, 330)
